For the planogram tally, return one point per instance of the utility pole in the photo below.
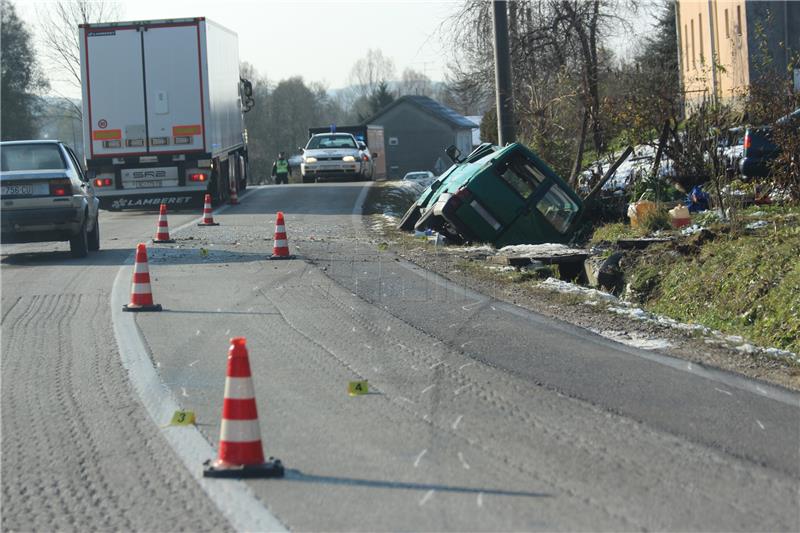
(502, 74)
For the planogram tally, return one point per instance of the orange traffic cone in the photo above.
(141, 294)
(234, 200)
(208, 218)
(280, 250)
(162, 229)
(240, 451)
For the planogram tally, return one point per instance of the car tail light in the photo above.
(198, 177)
(365, 157)
(747, 140)
(103, 182)
(60, 187)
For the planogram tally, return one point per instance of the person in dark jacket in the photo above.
(697, 200)
(281, 169)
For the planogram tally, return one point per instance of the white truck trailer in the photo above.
(162, 112)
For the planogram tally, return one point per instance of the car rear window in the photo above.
(522, 177)
(558, 208)
(31, 157)
(331, 141)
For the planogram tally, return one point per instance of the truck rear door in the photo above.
(115, 91)
(174, 88)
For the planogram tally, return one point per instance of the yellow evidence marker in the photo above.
(357, 388)
(182, 418)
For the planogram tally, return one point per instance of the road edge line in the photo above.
(234, 499)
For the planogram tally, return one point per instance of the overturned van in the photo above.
(501, 196)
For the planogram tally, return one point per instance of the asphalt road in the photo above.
(482, 417)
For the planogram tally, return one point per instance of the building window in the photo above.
(727, 27)
(700, 36)
(694, 64)
(739, 20)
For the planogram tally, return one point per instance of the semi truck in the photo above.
(163, 108)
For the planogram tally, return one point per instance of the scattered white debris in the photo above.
(691, 230)
(501, 268)
(757, 214)
(472, 249)
(757, 224)
(537, 249)
(634, 339)
(570, 288)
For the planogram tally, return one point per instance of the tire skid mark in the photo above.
(61, 404)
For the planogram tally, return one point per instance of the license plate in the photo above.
(27, 189)
(146, 184)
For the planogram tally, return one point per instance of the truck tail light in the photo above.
(103, 182)
(185, 139)
(198, 177)
(159, 141)
(112, 144)
(134, 142)
(747, 140)
(463, 194)
(62, 187)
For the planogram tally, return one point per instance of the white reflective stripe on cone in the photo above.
(239, 431)
(239, 388)
(280, 229)
(140, 268)
(280, 243)
(140, 288)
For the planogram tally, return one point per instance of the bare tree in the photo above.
(414, 82)
(369, 71)
(58, 26)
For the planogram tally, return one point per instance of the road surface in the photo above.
(482, 416)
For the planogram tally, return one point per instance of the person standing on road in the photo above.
(281, 169)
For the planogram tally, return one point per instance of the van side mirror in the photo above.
(454, 154)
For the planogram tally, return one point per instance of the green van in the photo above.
(501, 196)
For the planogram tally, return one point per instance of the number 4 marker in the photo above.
(357, 388)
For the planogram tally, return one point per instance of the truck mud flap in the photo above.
(173, 200)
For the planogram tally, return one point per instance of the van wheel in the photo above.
(79, 244)
(94, 236)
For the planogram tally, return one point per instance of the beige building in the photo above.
(729, 34)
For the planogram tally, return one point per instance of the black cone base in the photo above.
(270, 469)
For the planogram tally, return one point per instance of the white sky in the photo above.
(317, 40)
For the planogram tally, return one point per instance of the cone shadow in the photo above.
(292, 474)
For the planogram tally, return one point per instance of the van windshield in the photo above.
(558, 208)
(331, 141)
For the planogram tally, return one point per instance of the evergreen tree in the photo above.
(380, 97)
(19, 75)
